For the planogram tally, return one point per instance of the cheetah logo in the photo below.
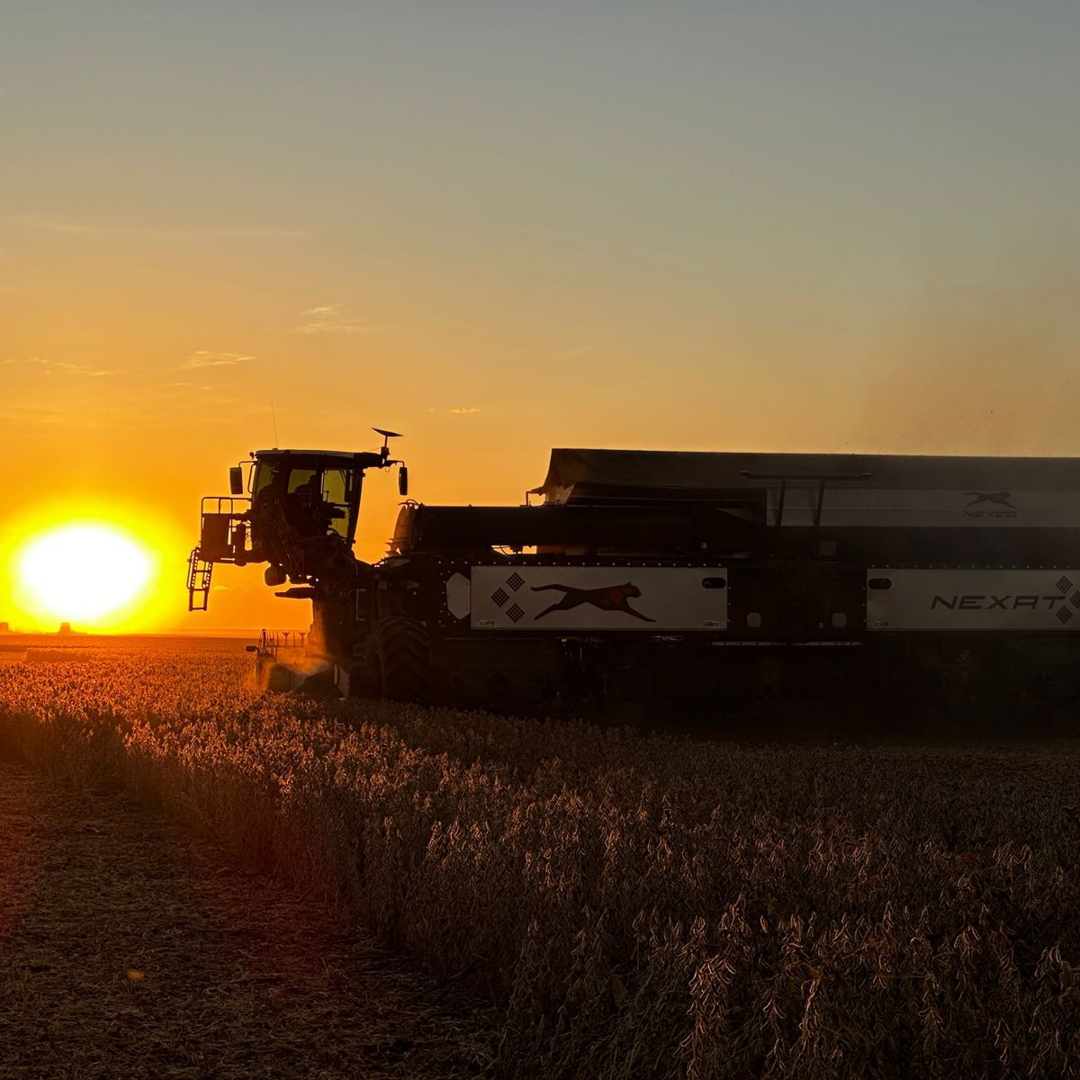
(612, 598)
(995, 498)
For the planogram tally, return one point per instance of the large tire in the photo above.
(404, 652)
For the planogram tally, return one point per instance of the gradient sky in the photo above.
(500, 227)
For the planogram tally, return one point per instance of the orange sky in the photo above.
(729, 229)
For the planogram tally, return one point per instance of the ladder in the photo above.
(198, 582)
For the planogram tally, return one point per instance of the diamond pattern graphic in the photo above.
(1064, 614)
(1075, 599)
(515, 581)
(514, 612)
(1064, 584)
(500, 596)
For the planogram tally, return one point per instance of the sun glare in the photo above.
(85, 574)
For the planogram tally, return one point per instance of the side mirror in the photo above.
(236, 480)
(403, 481)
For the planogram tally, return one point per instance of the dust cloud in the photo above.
(979, 374)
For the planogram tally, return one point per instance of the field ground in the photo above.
(132, 948)
(595, 903)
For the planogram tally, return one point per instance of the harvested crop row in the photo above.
(640, 905)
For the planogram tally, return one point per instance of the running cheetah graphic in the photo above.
(611, 598)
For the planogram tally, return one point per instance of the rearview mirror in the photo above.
(403, 481)
(236, 480)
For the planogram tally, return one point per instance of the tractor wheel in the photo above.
(405, 660)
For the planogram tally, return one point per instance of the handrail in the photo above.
(225, 504)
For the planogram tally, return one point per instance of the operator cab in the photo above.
(318, 491)
(295, 509)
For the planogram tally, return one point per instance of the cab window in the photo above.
(264, 475)
(298, 477)
(335, 490)
(333, 486)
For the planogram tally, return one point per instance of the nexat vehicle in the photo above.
(640, 574)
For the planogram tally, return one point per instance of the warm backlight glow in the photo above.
(84, 573)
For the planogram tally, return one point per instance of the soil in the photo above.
(132, 948)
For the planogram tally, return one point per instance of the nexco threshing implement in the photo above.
(645, 574)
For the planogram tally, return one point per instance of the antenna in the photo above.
(273, 416)
(387, 436)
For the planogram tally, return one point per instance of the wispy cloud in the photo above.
(339, 326)
(57, 365)
(13, 361)
(578, 352)
(327, 319)
(205, 358)
(33, 415)
(65, 227)
(44, 223)
(143, 406)
(463, 410)
(218, 234)
(83, 369)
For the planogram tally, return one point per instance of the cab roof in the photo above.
(338, 455)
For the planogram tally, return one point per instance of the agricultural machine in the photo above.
(637, 575)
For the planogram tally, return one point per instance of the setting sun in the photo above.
(93, 574)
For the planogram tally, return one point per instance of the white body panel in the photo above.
(598, 598)
(925, 509)
(963, 599)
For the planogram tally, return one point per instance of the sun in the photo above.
(85, 573)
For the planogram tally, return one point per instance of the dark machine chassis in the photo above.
(793, 547)
(793, 655)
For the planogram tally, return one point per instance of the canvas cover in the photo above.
(585, 474)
